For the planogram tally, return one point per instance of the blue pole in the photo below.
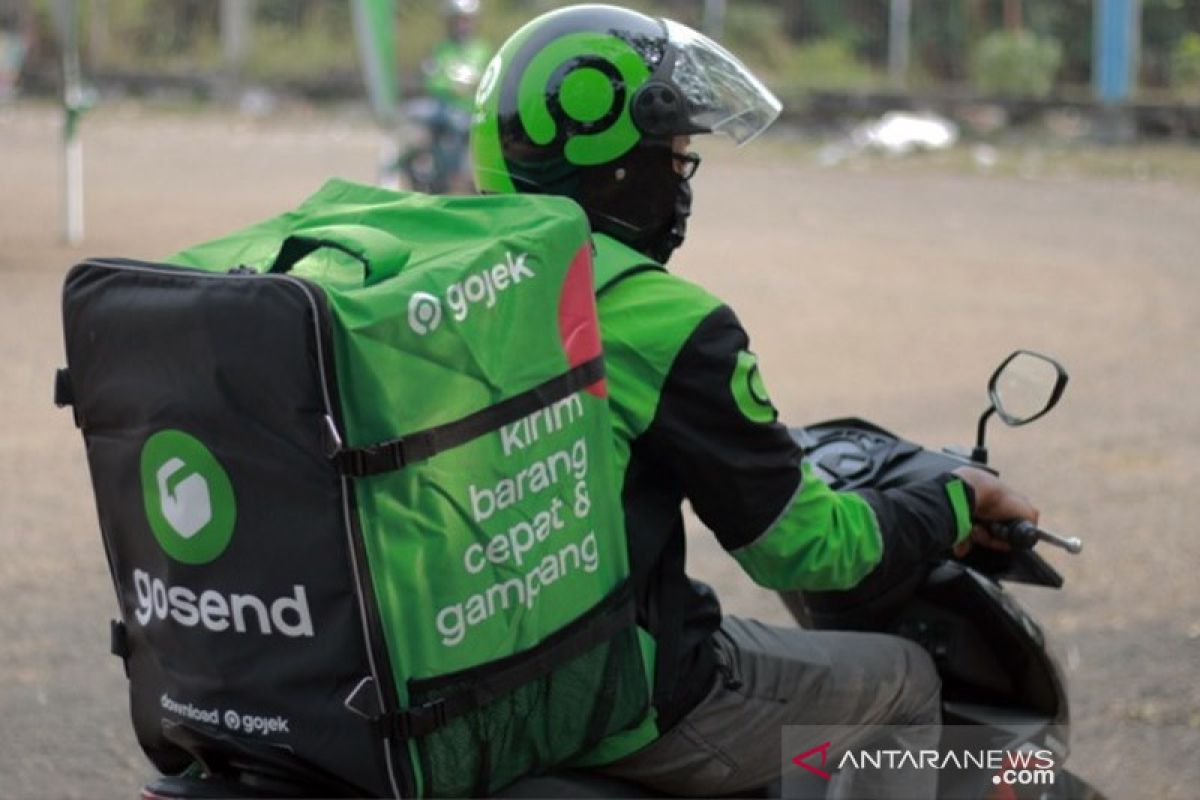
(1114, 49)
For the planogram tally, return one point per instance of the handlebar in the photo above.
(852, 453)
(1022, 535)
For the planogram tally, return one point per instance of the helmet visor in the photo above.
(723, 95)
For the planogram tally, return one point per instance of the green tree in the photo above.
(1015, 63)
(1185, 65)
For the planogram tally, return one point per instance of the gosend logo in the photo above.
(483, 287)
(188, 497)
(240, 613)
(190, 506)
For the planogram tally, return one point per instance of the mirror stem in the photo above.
(980, 454)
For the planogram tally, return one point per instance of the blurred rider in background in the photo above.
(450, 73)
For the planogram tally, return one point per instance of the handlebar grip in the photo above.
(1019, 533)
(1023, 535)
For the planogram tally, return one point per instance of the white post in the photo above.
(714, 18)
(899, 34)
(73, 172)
(74, 103)
(237, 23)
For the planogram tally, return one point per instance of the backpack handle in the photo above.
(382, 255)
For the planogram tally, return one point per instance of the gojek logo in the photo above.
(188, 497)
(749, 392)
(424, 313)
(484, 286)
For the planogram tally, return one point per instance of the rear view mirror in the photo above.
(1026, 386)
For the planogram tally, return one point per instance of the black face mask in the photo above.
(650, 213)
(663, 242)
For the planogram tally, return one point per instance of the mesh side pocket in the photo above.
(536, 726)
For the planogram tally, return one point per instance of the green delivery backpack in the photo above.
(354, 477)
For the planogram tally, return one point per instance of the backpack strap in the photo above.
(614, 262)
(361, 462)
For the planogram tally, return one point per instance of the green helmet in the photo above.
(585, 101)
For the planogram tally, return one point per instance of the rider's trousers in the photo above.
(772, 677)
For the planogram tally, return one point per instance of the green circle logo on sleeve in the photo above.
(749, 391)
(188, 497)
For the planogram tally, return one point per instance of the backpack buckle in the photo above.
(422, 720)
(363, 461)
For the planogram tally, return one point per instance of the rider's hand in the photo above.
(994, 501)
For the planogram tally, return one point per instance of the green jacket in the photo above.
(454, 68)
(692, 420)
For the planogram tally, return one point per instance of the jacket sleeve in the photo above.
(743, 473)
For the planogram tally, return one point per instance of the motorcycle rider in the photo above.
(598, 103)
(452, 71)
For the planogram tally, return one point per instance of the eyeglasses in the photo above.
(686, 164)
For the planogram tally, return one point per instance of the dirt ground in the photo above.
(873, 291)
